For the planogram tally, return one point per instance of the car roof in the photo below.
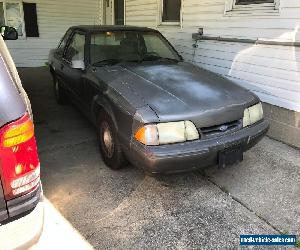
(95, 28)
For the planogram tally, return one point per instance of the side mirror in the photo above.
(78, 64)
(8, 33)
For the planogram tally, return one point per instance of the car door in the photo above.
(73, 77)
(55, 59)
(101, 46)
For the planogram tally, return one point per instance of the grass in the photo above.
(298, 243)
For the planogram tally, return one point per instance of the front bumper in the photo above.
(196, 154)
(25, 231)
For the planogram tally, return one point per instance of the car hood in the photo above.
(185, 92)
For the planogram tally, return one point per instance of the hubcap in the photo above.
(108, 141)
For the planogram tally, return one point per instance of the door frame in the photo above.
(103, 12)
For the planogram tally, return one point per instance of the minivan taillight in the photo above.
(19, 162)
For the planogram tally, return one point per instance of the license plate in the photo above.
(230, 156)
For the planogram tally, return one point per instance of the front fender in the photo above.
(103, 103)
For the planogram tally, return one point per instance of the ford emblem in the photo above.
(223, 128)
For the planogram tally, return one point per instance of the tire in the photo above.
(109, 145)
(59, 92)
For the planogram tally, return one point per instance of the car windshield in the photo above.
(133, 46)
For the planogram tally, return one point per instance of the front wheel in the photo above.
(59, 92)
(110, 147)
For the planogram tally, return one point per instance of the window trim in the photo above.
(161, 12)
(67, 36)
(234, 9)
(237, 2)
(4, 2)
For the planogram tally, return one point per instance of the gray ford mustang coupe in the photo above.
(149, 106)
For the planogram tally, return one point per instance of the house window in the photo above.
(119, 12)
(30, 19)
(171, 11)
(251, 7)
(21, 16)
(12, 15)
(245, 2)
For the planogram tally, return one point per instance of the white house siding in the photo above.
(273, 72)
(54, 18)
(141, 12)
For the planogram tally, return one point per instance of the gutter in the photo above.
(198, 37)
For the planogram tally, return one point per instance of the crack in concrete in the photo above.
(240, 202)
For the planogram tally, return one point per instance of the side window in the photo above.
(63, 42)
(75, 50)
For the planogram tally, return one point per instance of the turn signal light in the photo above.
(167, 133)
(148, 135)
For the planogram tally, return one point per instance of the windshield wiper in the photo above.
(168, 59)
(113, 62)
(159, 58)
(107, 62)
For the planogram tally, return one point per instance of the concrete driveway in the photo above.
(127, 210)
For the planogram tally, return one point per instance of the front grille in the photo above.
(218, 130)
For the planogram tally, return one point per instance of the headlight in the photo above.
(167, 133)
(253, 115)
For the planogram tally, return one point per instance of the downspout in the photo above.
(124, 12)
(158, 13)
(181, 14)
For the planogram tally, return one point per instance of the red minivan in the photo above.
(21, 195)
